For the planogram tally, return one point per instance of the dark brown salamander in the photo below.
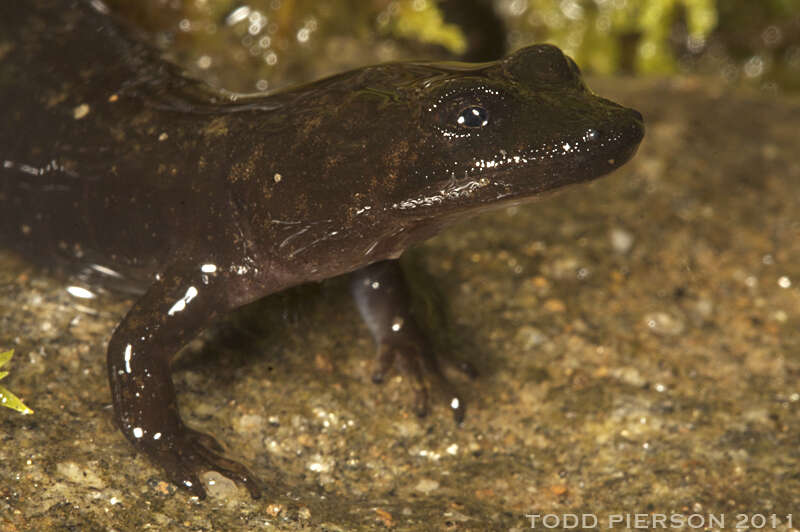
(109, 158)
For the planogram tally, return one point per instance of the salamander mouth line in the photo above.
(454, 190)
(548, 151)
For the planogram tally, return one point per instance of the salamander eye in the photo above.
(473, 116)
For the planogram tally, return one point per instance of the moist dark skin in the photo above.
(204, 201)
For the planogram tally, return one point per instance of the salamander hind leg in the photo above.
(164, 319)
(383, 299)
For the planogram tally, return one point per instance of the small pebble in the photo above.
(426, 486)
(621, 240)
(664, 324)
(81, 111)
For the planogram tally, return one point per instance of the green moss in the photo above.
(8, 399)
(654, 20)
(421, 20)
(592, 31)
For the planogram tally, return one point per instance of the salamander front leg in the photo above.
(382, 296)
(170, 314)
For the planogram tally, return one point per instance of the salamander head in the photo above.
(507, 131)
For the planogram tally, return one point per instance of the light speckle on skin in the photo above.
(128, 355)
(242, 171)
(99, 6)
(245, 170)
(163, 136)
(277, 177)
(217, 127)
(80, 292)
(81, 111)
(180, 304)
(54, 99)
(113, 98)
(5, 48)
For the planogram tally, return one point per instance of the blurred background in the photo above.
(268, 44)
